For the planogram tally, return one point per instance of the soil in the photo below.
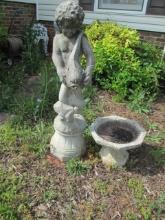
(102, 193)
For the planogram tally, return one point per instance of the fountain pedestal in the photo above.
(68, 141)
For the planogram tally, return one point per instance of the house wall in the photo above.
(21, 14)
(29, 14)
(156, 7)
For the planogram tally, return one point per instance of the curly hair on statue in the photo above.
(69, 14)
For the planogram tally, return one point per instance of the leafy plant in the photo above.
(76, 167)
(125, 65)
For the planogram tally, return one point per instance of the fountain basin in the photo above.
(116, 135)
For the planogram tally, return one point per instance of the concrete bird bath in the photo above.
(116, 135)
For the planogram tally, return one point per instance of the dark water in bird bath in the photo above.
(116, 134)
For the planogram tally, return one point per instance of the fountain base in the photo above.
(68, 141)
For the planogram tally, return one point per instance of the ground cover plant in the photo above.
(34, 186)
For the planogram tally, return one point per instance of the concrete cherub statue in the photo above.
(68, 47)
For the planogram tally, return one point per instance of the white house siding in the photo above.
(46, 11)
(23, 1)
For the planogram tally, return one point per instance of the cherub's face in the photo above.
(69, 32)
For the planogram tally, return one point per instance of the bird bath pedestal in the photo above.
(116, 135)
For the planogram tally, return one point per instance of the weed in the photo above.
(89, 114)
(142, 202)
(101, 186)
(76, 167)
(156, 138)
(49, 195)
(93, 148)
(158, 206)
(130, 215)
(137, 188)
(38, 105)
(89, 93)
(159, 155)
(152, 126)
(31, 57)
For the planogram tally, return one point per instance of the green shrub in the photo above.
(123, 64)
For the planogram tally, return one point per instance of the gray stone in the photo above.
(3, 117)
(113, 152)
(69, 44)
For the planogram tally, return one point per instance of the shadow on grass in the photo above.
(147, 160)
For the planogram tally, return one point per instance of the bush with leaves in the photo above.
(124, 64)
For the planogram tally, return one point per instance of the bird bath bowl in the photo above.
(116, 135)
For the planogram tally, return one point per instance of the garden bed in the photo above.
(32, 187)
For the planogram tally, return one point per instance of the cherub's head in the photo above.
(69, 17)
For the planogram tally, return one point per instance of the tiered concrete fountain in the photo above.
(68, 47)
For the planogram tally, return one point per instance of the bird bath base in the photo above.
(113, 157)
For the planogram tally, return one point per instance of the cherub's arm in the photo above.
(87, 51)
(57, 58)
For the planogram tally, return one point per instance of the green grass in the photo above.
(156, 137)
(143, 204)
(49, 195)
(159, 155)
(14, 202)
(20, 137)
(76, 167)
